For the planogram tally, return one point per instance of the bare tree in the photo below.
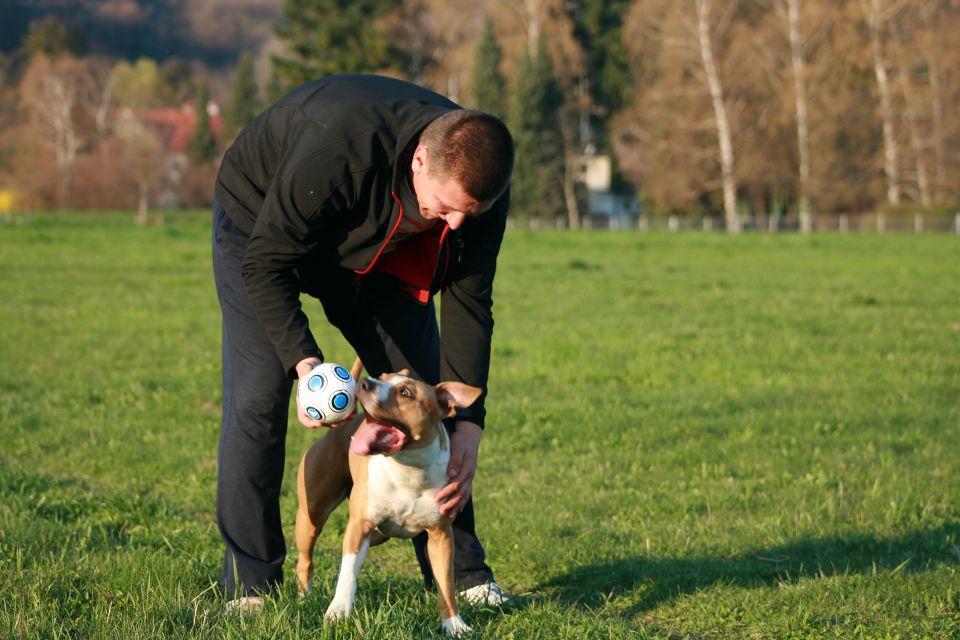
(798, 65)
(49, 92)
(724, 140)
(439, 38)
(931, 43)
(912, 117)
(143, 158)
(877, 14)
(97, 94)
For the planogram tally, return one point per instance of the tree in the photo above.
(683, 130)
(203, 148)
(877, 14)
(598, 27)
(137, 85)
(52, 38)
(438, 41)
(721, 120)
(243, 105)
(798, 67)
(325, 37)
(536, 191)
(143, 157)
(488, 85)
(49, 91)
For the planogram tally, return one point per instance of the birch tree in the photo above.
(679, 131)
(877, 13)
(49, 92)
(798, 65)
(722, 121)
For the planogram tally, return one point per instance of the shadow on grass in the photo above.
(668, 578)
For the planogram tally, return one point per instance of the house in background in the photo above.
(174, 128)
(606, 208)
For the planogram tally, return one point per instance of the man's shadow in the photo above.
(660, 579)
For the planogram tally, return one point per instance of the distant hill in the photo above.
(214, 32)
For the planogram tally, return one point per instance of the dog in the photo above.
(390, 463)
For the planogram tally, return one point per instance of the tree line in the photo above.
(721, 107)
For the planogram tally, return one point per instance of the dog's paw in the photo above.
(338, 610)
(303, 590)
(456, 627)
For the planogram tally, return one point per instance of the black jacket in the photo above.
(312, 178)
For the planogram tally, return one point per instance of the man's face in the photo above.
(440, 198)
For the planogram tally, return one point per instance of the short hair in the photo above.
(472, 147)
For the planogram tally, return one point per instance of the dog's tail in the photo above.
(356, 369)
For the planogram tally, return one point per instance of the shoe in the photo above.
(489, 593)
(247, 605)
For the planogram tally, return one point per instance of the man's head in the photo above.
(461, 165)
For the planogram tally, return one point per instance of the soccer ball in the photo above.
(327, 393)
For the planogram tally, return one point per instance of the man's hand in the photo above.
(464, 446)
(304, 367)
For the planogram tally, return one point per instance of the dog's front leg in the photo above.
(440, 550)
(356, 542)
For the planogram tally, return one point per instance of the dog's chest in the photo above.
(401, 489)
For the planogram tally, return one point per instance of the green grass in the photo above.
(690, 435)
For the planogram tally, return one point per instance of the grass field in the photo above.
(690, 436)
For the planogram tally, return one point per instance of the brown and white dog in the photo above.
(390, 463)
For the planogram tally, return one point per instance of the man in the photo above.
(370, 194)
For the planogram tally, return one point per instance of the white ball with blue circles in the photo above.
(327, 393)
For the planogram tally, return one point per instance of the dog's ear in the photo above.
(404, 372)
(451, 395)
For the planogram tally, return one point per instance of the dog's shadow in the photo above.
(655, 580)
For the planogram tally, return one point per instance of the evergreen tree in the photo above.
(334, 36)
(54, 38)
(537, 185)
(276, 87)
(487, 85)
(243, 106)
(598, 26)
(203, 148)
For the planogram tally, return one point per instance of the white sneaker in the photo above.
(488, 593)
(246, 605)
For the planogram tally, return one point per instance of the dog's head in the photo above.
(405, 413)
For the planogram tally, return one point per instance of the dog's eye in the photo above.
(406, 393)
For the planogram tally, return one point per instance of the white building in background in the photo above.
(605, 207)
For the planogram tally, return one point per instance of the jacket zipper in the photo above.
(387, 241)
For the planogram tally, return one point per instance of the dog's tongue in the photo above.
(377, 437)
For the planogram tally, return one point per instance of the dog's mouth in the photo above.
(376, 436)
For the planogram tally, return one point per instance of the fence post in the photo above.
(956, 223)
(643, 224)
(918, 223)
(773, 224)
(707, 223)
(881, 223)
(673, 223)
(844, 223)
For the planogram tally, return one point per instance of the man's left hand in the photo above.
(464, 447)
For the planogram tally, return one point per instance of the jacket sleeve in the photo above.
(298, 206)
(466, 308)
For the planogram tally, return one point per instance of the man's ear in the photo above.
(451, 395)
(421, 159)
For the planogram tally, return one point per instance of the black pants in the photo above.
(388, 330)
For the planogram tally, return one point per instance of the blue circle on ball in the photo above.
(313, 413)
(342, 373)
(339, 401)
(315, 382)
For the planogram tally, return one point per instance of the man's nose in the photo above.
(455, 219)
